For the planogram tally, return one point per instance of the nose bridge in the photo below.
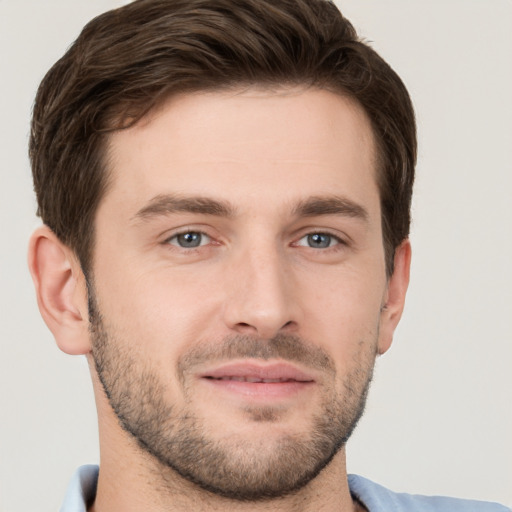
(260, 299)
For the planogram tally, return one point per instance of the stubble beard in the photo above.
(234, 467)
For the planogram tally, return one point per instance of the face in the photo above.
(239, 283)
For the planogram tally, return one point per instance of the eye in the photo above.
(189, 239)
(319, 241)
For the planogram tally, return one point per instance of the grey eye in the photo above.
(318, 241)
(189, 240)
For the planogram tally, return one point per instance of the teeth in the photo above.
(254, 379)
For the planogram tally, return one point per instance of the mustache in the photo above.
(288, 347)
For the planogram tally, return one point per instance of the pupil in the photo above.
(189, 239)
(319, 240)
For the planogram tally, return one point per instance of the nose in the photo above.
(260, 297)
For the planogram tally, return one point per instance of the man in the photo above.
(225, 188)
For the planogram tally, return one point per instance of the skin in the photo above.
(264, 154)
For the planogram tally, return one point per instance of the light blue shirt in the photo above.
(82, 489)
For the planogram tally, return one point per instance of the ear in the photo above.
(394, 299)
(61, 291)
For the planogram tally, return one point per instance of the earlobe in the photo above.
(394, 302)
(60, 290)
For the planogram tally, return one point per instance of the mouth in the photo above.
(253, 379)
(258, 381)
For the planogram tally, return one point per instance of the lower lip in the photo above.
(260, 390)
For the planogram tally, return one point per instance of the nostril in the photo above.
(244, 327)
(264, 331)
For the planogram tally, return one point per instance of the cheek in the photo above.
(163, 309)
(342, 311)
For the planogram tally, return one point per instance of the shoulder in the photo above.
(377, 498)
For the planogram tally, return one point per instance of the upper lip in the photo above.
(258, 371)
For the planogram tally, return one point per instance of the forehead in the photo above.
(286, 144)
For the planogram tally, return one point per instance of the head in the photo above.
(232, 180)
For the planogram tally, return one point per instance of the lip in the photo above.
(259, 381)
(253, 370)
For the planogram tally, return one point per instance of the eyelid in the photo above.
(340, 238)
(333, 242)
(169, 235)
(205, 239)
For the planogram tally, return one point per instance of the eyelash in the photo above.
(168, 241)
(339, 242)
(332, 238)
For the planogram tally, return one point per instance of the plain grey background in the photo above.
(439, 418)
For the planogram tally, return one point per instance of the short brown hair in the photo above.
(127, 61)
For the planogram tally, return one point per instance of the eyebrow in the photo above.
(330, 205)
(165, 204)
